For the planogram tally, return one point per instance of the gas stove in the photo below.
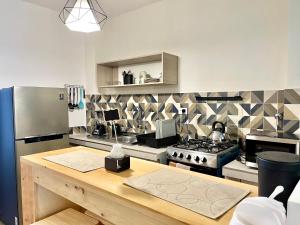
(205, 145)
(204, 153)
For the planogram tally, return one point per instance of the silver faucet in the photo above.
(278, 116)
(139, 120)
(279, 119)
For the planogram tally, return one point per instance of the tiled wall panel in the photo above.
(257, 110)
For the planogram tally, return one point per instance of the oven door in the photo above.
(198, 169)
(255, 146)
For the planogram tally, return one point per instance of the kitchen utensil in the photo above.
(76, 98)
(218, 133)
(70, 105)
(81, 105)
(73, 97)
(277, 168)
(260, 210)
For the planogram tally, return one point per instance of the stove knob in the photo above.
(203, 159)
(188, 156)
(197, 158)
(180, 155)
(174, 154)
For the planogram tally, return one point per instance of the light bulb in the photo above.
(82, 18)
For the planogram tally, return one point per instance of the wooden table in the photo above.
(48, 187)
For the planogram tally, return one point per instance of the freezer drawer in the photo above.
(40, 111)
(23, 148)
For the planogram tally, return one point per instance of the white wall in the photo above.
(293, 78)
(36, 49)
(222, 45)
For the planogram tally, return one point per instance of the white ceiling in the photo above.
(111, 7)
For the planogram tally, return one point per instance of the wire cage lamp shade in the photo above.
(83, 15)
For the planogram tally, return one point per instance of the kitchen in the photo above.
(166, 66)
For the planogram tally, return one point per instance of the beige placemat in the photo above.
(78, 160)
(200, 195)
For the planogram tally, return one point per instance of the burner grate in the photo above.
(204, 144)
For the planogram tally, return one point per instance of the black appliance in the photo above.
(269, 141)
(111, 115)
(151, 141)
(203, 155)
(99, 130)
(278, 168)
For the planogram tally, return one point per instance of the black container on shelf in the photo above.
(127, 77)
(151, 141)
(277, 168)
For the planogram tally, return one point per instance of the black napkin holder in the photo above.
(117, 165)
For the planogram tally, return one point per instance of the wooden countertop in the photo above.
(137, 151)
(238, 170)
(112, 183)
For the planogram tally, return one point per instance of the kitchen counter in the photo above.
(48, 187)
(137, 151)
(239, 171)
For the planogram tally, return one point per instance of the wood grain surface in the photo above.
(104, 194)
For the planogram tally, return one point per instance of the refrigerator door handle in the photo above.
(50, 137)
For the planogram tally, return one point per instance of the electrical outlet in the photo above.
(183, 111)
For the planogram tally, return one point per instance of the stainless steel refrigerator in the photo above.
(32, 120)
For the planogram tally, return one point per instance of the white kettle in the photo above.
(260, 211)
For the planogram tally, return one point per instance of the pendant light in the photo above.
(83, 15)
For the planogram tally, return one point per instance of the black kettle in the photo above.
(218, 132)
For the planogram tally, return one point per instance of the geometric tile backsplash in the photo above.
(256, 111)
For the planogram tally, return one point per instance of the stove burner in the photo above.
(204, 144)
(203, 155)
(186, 146)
